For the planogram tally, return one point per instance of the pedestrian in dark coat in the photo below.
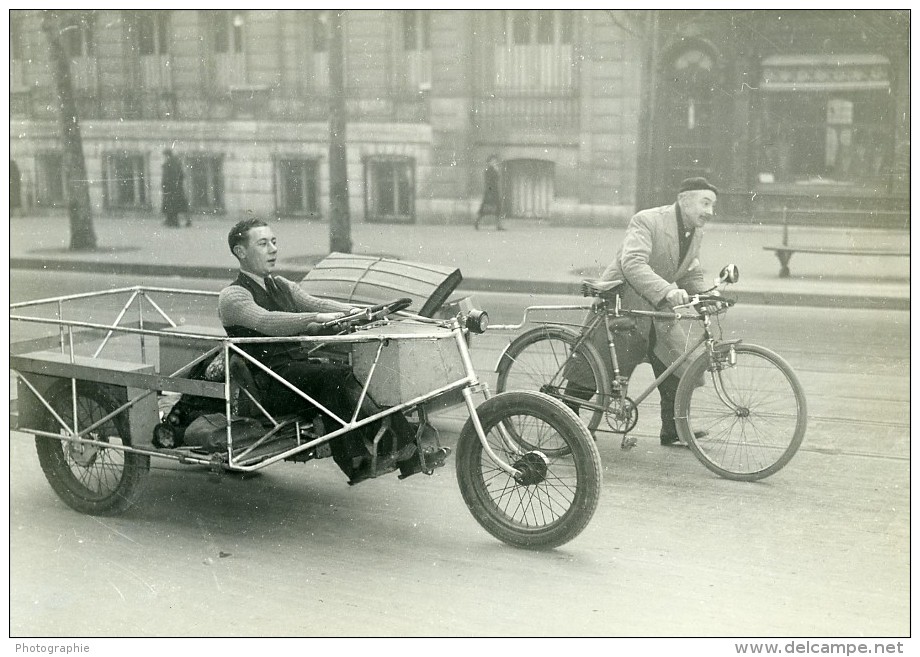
(492, 195)
(174, 201)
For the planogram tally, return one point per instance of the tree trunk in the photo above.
(339, 218)
(82, 235)
(646, 164)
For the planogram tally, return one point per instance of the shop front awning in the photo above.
(824, 72)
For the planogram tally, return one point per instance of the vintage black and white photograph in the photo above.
(460, 323)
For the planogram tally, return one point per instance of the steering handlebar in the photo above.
(368, 315)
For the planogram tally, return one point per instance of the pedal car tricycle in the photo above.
(98, 397)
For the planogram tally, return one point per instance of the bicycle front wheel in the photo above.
(547, 360)
(747, 419)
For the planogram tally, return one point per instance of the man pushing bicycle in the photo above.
(659, 265)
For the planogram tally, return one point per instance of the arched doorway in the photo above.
(684, 123)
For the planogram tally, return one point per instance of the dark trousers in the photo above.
(667, 389)
(172, 218)
(333, 386)
(489, 208)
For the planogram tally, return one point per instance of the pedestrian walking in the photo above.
(174, 201)
(492, 194)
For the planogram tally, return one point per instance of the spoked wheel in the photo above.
(751, 408)
(90, 478)
(552, 498)
(545, 359)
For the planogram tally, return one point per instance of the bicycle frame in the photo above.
(601, 312)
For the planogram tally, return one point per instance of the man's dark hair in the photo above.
(240, 231)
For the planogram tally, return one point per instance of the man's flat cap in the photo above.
(691, 184)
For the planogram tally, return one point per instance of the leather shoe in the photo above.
(674, 441)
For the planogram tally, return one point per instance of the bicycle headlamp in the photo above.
(477, 321)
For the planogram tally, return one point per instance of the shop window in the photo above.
(389, 190)
(825, 138)
(204, 182)
(824, 119)
(297, 186)
(125, 180)
(50, 179)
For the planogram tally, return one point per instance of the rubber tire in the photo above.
(684, 401)
(563, 334)
(582, 452)
(51, 456)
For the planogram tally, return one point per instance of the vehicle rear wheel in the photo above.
(554, 497)
(748, 418)
(541, 359)
(90, 478)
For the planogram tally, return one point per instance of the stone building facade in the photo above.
(800, 116)
(242, 97)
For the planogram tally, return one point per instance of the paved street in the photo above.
(821, 548)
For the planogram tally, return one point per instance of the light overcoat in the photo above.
(648, 262)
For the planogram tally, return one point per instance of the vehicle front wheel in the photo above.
(90, 478)
(554, 495)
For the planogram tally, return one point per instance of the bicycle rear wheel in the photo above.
(750, 412)
(544, 358)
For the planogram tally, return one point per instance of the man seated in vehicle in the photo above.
(260, 304)
(659, 265)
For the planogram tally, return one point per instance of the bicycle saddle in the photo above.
(596, 288)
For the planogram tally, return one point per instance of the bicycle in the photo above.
(739, 407)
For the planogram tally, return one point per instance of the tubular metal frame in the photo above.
(226, 346)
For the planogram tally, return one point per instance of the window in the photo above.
(823, 120)
(320, 31)
(228, 31)
(152, 32)
(125, 180)
(17, 39)
(390, 190)
(416, 29)
(18, 59)
(416, 25)
(204, 182)
(533, 54)
(539, 26)
(77, 34)
(50, 179)
(297, 186)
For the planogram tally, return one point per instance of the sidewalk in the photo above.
(529, 257)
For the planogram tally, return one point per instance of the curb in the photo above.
(749, 297)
